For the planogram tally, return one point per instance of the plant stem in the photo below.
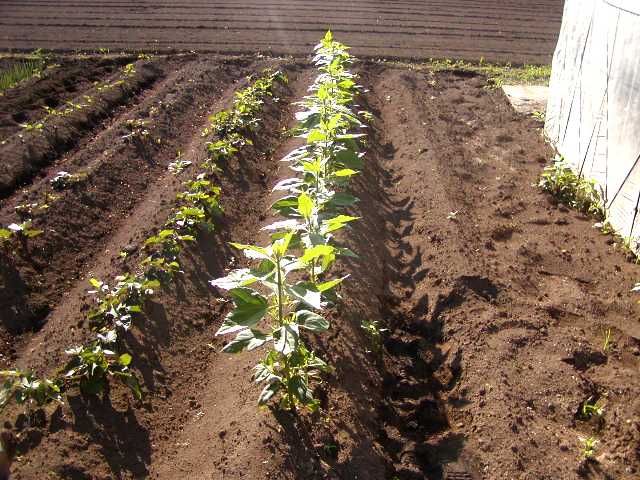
(285, 360)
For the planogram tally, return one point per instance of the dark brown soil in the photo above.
(516, 31)
(496, 314)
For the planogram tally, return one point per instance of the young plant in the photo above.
(22, 231)
(266, 292)
(116, 306)
(63, 180)
(137, 129)
(588, 447)
(92, 365)
(606, 344)
(590, 409)
(27, 390)
(374, 332)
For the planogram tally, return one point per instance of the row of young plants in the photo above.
(92, 365)
(23, 230)
(289, 282)
(127, 72)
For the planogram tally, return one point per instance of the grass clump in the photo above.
(32, 65)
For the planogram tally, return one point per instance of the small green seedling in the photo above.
(374, 332)
(590, 409)
(63, 180)
(606, 344)
(589, 446)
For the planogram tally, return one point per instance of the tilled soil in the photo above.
(495, 298)
(516, 31)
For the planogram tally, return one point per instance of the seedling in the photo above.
(22, 231)
(137, 129)
(588, 447)
(538, 115)
(63, 180)
(27, 390)
(90, 366)
(176, 167)
(590, 409)
(31, 127)
(606, 345)
(374, 332)
(129, 70)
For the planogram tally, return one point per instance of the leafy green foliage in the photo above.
(28, 390)
(21, 231)
(19, 71)
(575, 191)
(589, 446)
(92, 365)
(289, 284)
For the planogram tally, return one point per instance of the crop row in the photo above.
(24, 230)
(289, 283)
(91, 365)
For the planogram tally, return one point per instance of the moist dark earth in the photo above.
(516, 31)
(496, 298)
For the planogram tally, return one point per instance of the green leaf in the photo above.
(268, 392)
(306, 293)
(343, 200)
(32, 232)
(323, 287)
(236, 278)
(345, 172)
(287, 342)
(5, 234)
(312, 321)
(131, 381)
(249, 339)
(316, 136)
(252, 251)
(125, 359)
(281, 245)
(316, 252)
(337, 223)
(305, 205)
(300, 389)
(250, 308)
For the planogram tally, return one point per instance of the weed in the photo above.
(571, 189)
(498, 75)
(31, 127)
(20, 71)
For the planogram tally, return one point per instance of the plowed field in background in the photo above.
(517, 31)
